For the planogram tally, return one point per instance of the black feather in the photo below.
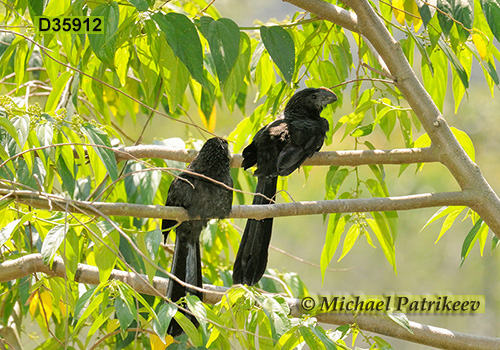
(203, 199)
(278, 149)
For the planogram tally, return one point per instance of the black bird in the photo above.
(202, 199)
(278, 149)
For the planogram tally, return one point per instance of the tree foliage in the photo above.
(66, 97)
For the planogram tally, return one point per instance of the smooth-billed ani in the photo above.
(203, 199)
(278, 149)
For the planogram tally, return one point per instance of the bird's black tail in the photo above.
(251, 259)
(186, 266)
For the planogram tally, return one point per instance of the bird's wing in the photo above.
(180, 194)
(295, 153)
(249, 156)
(290, 158)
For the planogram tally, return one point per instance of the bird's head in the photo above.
(312, 99)
(214, 150)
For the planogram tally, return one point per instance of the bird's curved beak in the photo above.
(326, 96)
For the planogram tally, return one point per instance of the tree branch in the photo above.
(422, 334)
(342, 17)
(259, 212)
(451, 153)
(341, 158)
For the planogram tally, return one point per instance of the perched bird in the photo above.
(278, 149)
(203, 199)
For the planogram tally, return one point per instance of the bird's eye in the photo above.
(314, 96)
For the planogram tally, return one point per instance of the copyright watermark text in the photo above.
(408, 304)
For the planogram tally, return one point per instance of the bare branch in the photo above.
(348, 158)
(422, 334)
(342, 17)
(259, 212)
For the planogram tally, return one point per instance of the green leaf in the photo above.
(325, 340)
(482, 236)
(98, 137)
(445, 15)
(36, 7)
(448, 222)
(20, 62)
(223, 37)
(105, 252)
(426, 11)
(45, 136)
(71, 253)
(463, 13)
(491, 10)
(387, 121)
(173, 70)
(10, 128)
(425, 55)
(7, 231)
(203, 313)
(123, 313)
(264, 77)
(140, 5)
(495, 242)
(455, 62)
(336, 226)
(149, 244)
(441, 213)
(102, 317)
(465, 57)
(188, 327)
(165, 315)
(490, 68)
(183, 38)
(4, 203)
(334, 179)
(309, 337)
(52, 242)
(465, 142)
(423, 141)
(277, 313)
(22, 125)
(382, 344)
(97, 299)
(104, 43)
(80, 304)
(384, 237)
(236, 78)
(7, 54)
(349, 240)
(436, 83)
(401, 320)
(328, 73)
(281, 48)
(470, 240)
(363, 130)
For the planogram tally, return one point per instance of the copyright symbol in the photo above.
(307, 303)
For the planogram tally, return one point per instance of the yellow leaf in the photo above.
(480, 45)
(34, 300)
(158, 344)
(112, 325)
(62, 307)
(91, 258)
(412, 7)
(214, 334)
(46, 305)
(400, 15)
(210, 123)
